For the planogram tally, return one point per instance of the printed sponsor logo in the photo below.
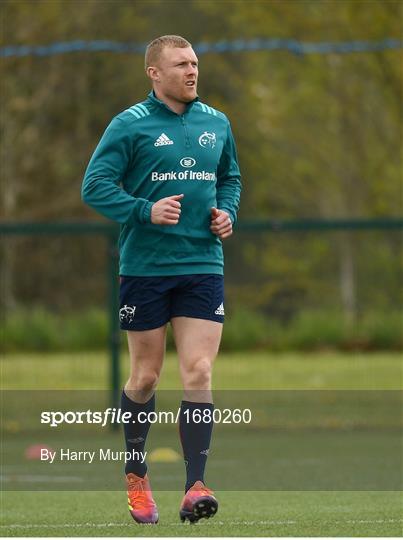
(187, 162)
(182, 175)
(220, 310)
(207, 140)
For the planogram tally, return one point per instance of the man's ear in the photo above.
(153, 73)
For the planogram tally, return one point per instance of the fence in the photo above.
(250, 255)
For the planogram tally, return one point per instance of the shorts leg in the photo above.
(144, 302)
(200, 296)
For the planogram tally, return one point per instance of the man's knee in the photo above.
(143, 381)
(196, 374)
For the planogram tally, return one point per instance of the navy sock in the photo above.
(195, 438)
(136, 433)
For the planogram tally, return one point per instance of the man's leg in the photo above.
(146, 350)
(197, 343)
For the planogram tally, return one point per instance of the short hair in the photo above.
(155, 47)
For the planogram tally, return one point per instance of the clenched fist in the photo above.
(221, 223)
(167, 211)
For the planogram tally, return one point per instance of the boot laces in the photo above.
(203, 490)
(136, 493)
(206, 491)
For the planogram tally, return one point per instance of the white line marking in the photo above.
(64, 525)
(371, 521)
(129, 524)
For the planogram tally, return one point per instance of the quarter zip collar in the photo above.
(153, 98)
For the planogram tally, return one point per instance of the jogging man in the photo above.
(166, 169)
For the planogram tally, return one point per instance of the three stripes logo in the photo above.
(163, 140)
(138, 111)
(220, 310)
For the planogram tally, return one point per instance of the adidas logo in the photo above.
(136, 441)
(163, 140)
(220, 310)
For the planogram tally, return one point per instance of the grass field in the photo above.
(240, 514)
(251, 371)
(245, 512)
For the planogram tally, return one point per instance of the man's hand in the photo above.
(167, 211)
(221, 223)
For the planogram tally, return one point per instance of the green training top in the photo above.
(149, 152)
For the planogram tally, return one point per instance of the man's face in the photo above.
(178, 73)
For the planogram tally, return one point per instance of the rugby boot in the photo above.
(141, 503)
(198, 503)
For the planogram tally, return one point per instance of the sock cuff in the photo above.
(194, 405)
(133, 406)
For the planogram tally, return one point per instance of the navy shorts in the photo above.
(150, 302)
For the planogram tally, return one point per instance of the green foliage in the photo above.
(380, 330)
(245, 330)
(38, 330)
(34, 330)
(90, 331)
(313, 330)
(317, 136)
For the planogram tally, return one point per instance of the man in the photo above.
(166, 169)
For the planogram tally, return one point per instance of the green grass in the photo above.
(293, 452)
(263, 371)
(240, 514)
